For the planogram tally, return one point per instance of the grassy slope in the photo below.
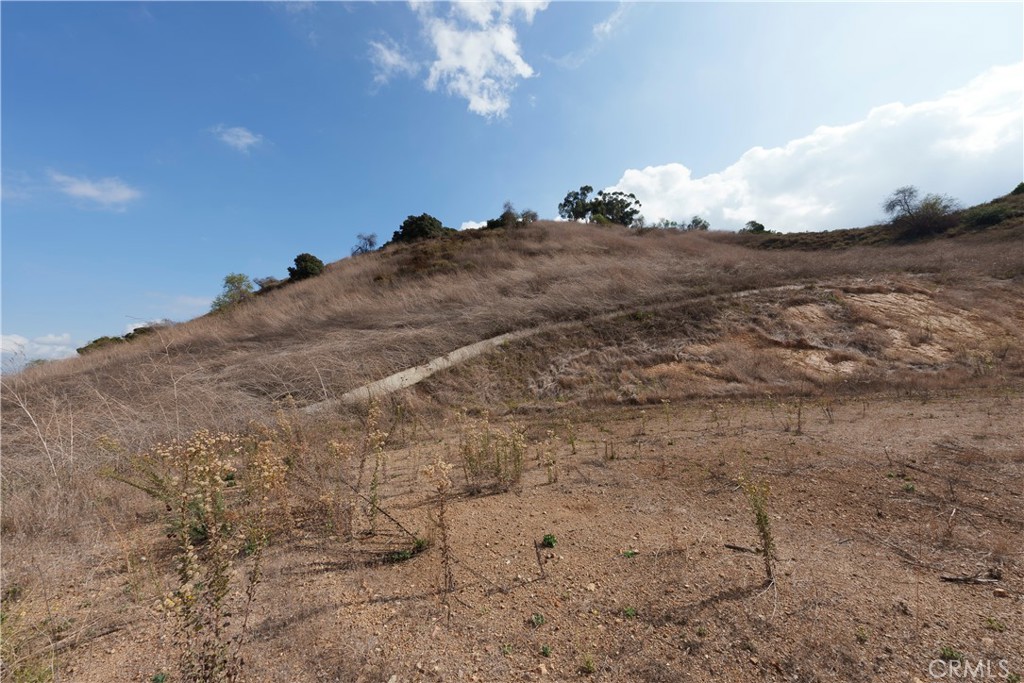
(842, 312)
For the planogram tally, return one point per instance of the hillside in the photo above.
(648, 381)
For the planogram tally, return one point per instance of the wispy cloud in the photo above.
(602, 30)
(476, 51)
(237, 137)
(110, 193)
(966, 143)
(389, 61)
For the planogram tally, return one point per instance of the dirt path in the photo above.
(414, 375)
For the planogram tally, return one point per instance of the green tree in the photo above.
(755, 228)
(617, 207)
(420, 227)
(237, 287)
(576, 205)
(306, 265)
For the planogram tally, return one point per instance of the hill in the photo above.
(644, 395)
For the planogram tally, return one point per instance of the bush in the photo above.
(100, 343)
(422, 227)
(987, 215)
(306, 266)
(912, 218)
(237, 288)
(1019, 189)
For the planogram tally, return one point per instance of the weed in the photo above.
(587, 666)
(537, 620)
(909, 487)
(439, 474)
(948, 654)
(506, 649)
(629, 612)
(159, 677)
(862, 636)
(549, 541)
(491, 458)
(545, 650)
(993, 624)
(609, 451)
(629, 554)
(701, 631)
(757, 497)
(194, 478)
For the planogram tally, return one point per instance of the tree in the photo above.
(306, 266)
(698, 223)
(617, 207)
(576, 205)
(933, 214)
(237, 287)
(367, 243)
(605, 207)
(420, 227)
(754, 227)
(510, 219)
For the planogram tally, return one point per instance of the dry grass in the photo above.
(655, 324)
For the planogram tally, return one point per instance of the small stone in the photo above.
(987, 643)
(753, 660)
(542, 670)
(1000, 593)
(591, 587)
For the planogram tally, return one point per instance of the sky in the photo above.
(149, 149)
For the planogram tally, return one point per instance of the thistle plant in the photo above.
(439, 474)
(757, 497)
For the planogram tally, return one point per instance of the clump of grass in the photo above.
(537, 620)
(587, 666)
(949, 654)
(757, 498)
(545, 650)
(492, 458)
(549, 541)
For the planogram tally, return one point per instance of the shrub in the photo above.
(422, 227)
(987, 215)
(99, 343)
(753, 227)
(237, 288)
(306, 266)
(366, 243)
(1019, 189)
(913, 218)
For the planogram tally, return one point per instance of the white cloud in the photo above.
(159, 322)
(602, 30)
(472, 225)
(476, 51)
(966, 143)
(111, 193)
(389, 61)
(17, 351)
(237, 137)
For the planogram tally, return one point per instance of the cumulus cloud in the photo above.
(472, 225)
(17, 351)
(476, 51)
(389, 61)
(110, 193)
(966, 143)
(237, 137)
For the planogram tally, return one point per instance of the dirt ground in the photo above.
(872, 501)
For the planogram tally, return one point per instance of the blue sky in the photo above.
(149, 149)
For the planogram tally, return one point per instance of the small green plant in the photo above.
(630, 554)
(588, 667)
(537, 620)
(506, 649)
(701, 631)
(862, 636)
(993, 624)
(757, 497)
(630, 612)
(1013, 678)
(948, 654)
(909, 487)
(545, 650)
(549, 541)
(160, 677)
